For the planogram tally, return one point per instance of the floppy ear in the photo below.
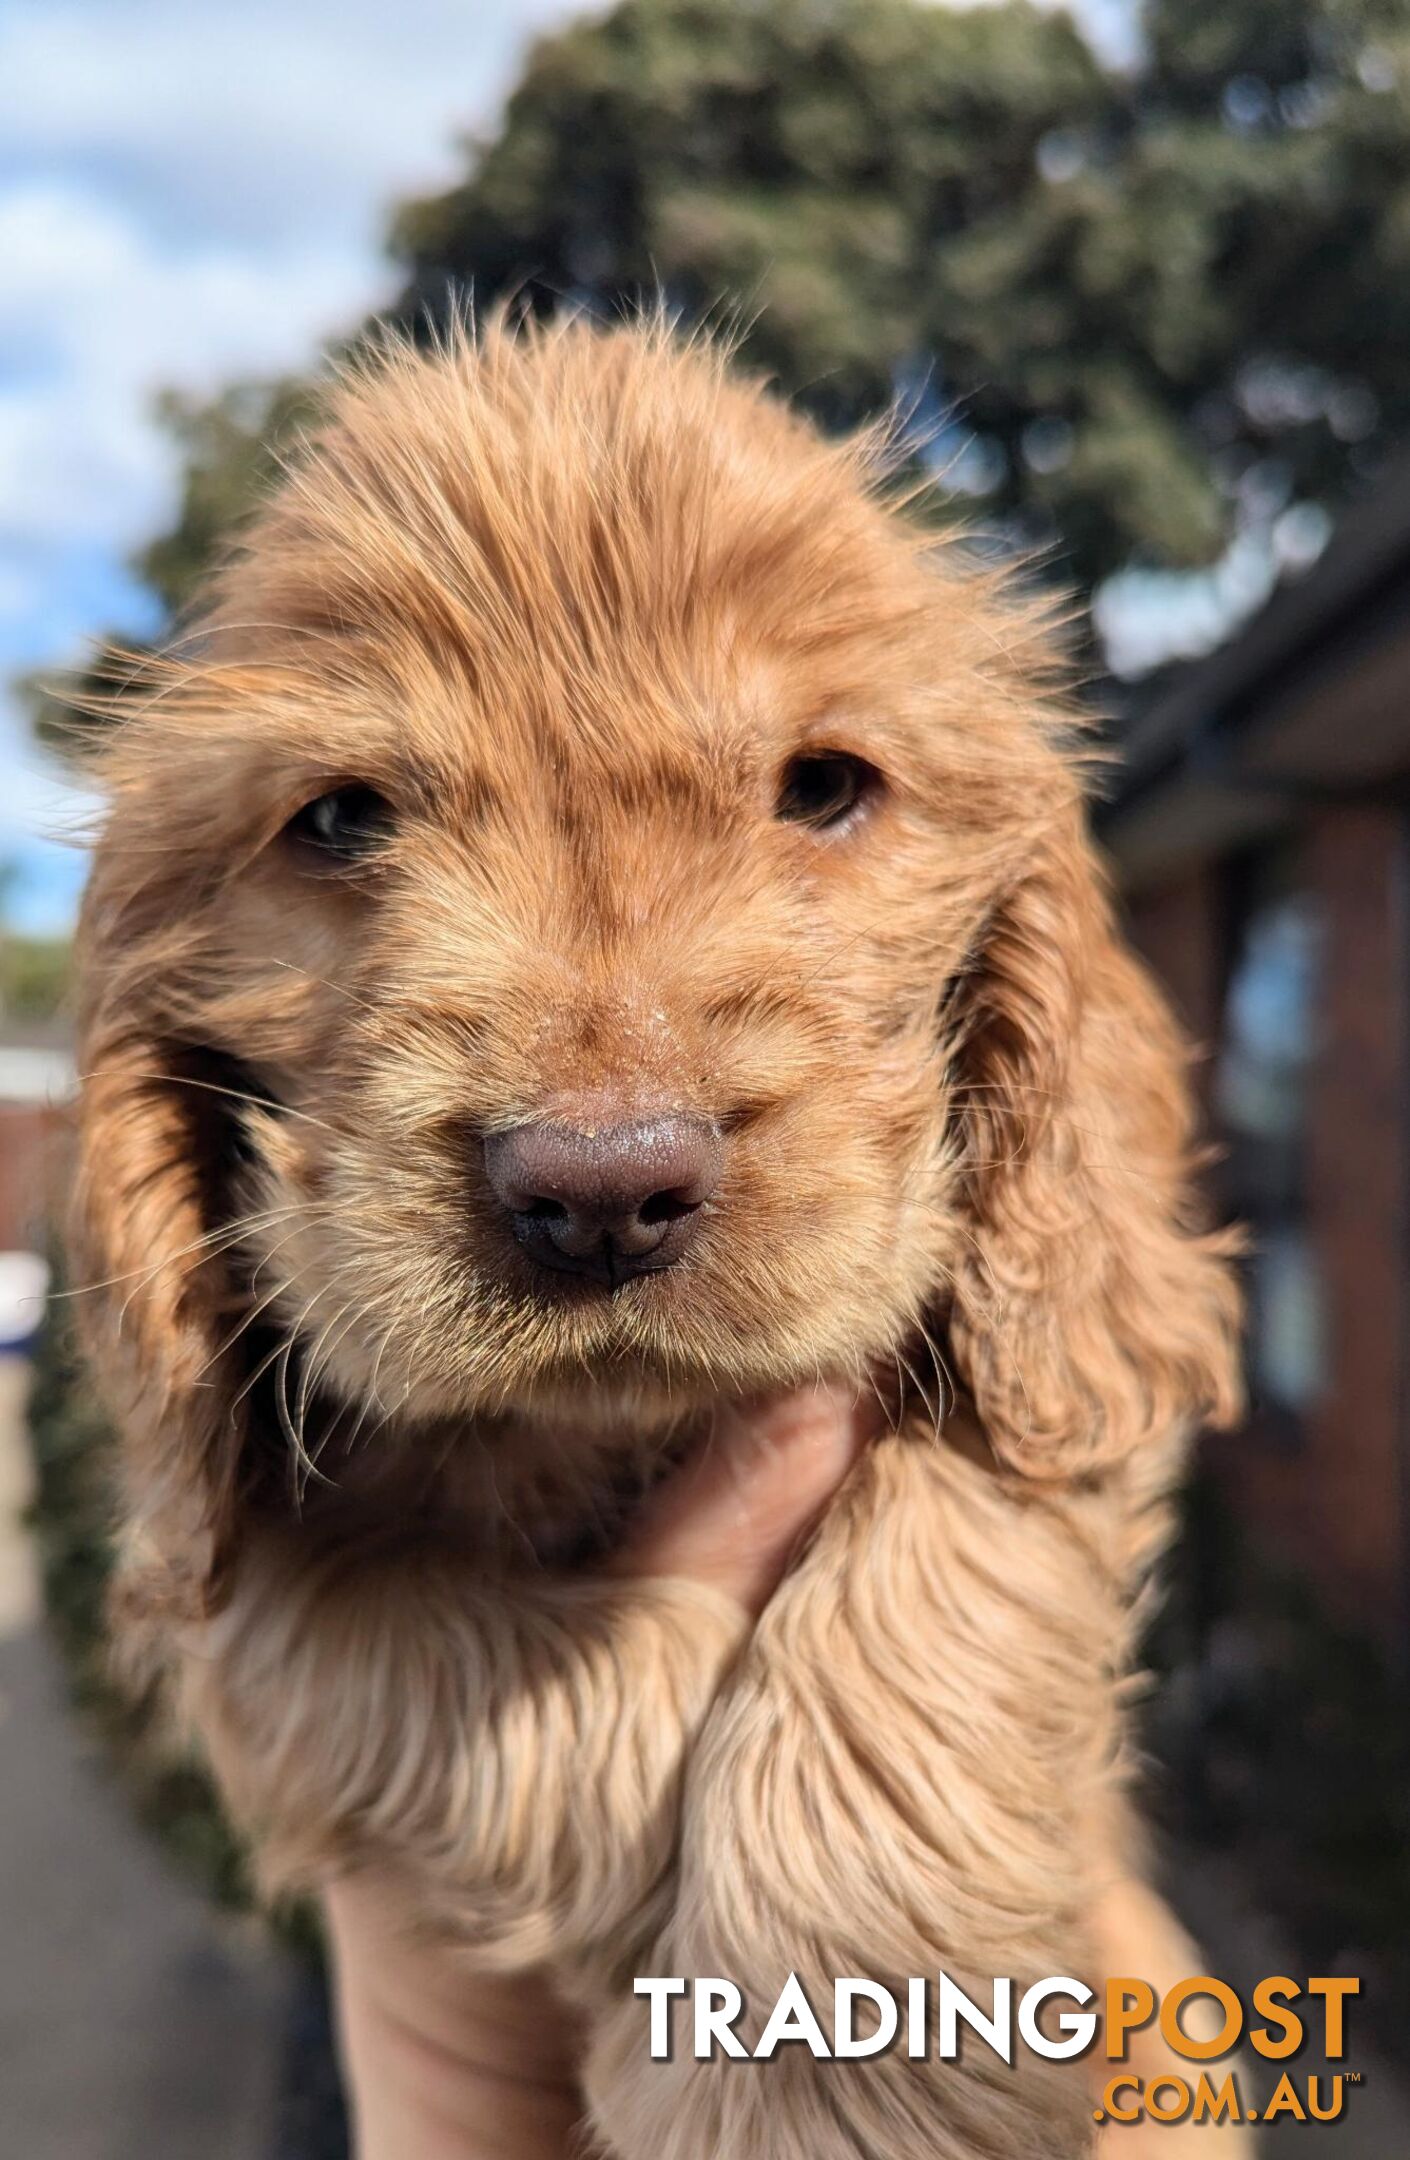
(1091, 1311)
(154, 1297)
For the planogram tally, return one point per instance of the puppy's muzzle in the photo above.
(606, 1197)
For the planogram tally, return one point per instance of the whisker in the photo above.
(270, 1297)
(212, 1087)
(149, 1269)
(204, 1248)
(340, 989)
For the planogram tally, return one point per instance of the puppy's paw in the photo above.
(867, 1799)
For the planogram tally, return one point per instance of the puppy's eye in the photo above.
(344, 826)
(825, 789)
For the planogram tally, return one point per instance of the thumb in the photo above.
(733, 1514)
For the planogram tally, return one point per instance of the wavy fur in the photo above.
(570, 601)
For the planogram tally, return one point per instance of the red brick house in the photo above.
(1261, 831)
(36, 1080)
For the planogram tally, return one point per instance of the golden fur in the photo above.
(570, 601)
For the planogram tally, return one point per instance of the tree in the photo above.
(1143, 311)
(231, 448)
(805, 157)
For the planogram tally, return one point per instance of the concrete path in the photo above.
(1243, 1946)
(134, 2024)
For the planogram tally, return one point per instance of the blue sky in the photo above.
(188, 193)
(191, 191)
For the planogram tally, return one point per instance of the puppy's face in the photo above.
(574, 838)
(604, 1038)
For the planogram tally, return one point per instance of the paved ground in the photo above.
(1243, 1946)
(133, 2025)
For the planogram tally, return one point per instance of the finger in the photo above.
(733, 1515)
(439, 2061)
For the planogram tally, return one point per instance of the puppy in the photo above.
(594, 923)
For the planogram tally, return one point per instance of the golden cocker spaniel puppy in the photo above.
(595, 923)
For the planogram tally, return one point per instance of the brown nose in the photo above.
(618, 1199)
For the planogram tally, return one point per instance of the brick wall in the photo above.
(28, 1138)
(1334, 1499)
(1356, 1539)
(1178, 930)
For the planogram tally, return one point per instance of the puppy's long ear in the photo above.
(1091, 1312)
(153, 1295)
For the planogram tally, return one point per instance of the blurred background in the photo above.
(1142, 276)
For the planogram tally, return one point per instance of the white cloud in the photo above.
(110, 318)
(192, 193)
(266, 120)
(188, 193)
(1148, 617)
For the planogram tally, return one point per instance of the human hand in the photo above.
(446, 2065)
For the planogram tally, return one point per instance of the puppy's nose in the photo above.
(610, 1200)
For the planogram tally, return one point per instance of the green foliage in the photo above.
(1153, 309)
(33, 976)
(231, 450)
(809, 161)
(1164, 303)
(71, 1518)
